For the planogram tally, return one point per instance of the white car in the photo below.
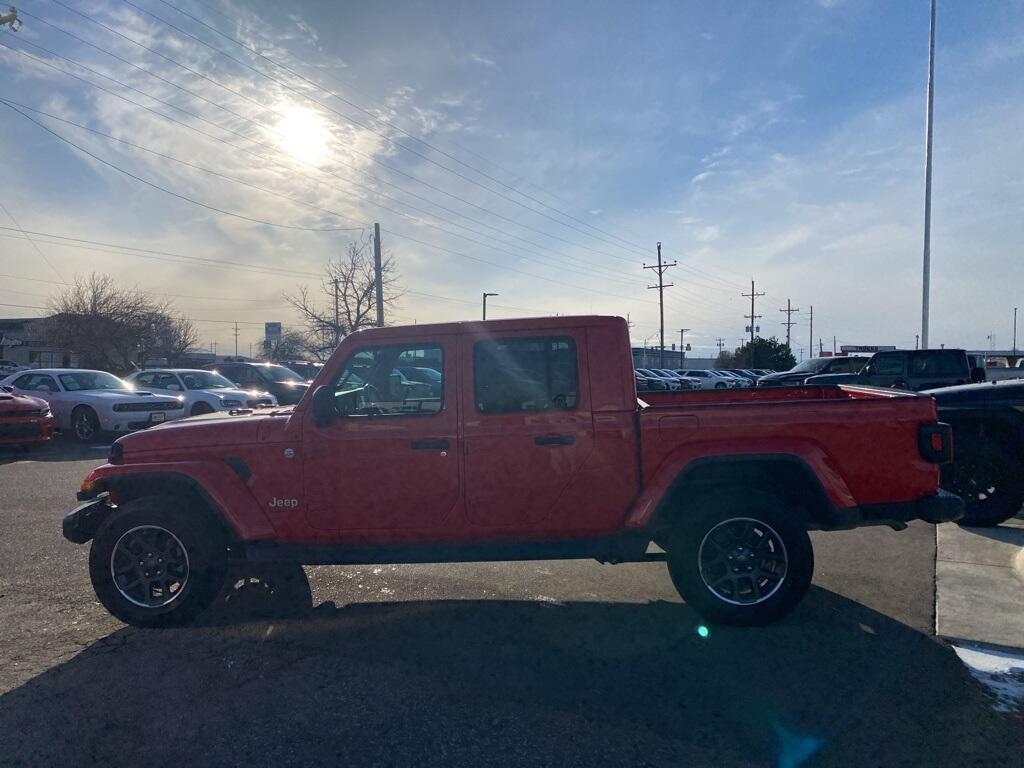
(709, 379)
(204, 391)
(86, 403)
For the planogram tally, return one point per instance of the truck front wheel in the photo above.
(745, 561)
(157, 563)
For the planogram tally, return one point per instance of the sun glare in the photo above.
(302, 134)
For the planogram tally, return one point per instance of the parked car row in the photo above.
(664, 379)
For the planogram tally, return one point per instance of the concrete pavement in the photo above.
(979, 594)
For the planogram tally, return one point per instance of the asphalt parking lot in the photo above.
(550, 663)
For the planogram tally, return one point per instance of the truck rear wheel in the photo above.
(157, 563)
(745, 561)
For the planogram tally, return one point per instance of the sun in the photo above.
(301, 133)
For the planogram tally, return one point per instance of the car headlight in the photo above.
(231, 403)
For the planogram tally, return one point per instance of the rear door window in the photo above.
(939, 362)
(887, 364)
(525, 374)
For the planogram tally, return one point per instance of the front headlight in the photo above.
(231, 403)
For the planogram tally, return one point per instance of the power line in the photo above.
(352, 121)
(35, 247)
(266, 158)
(167, 191)
(290, 198)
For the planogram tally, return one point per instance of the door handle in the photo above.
(430, 445)
(554, 440)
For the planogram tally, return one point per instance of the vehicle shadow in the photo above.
(511, 683)
(57, 449)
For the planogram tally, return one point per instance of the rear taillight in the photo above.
(935, 442)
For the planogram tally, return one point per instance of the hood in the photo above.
(235, 429)
(834, 378)
(786, 376)
(11, 404)
(120, 395)
(1008, 392)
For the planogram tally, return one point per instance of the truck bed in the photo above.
(842, 434)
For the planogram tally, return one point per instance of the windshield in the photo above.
(92, 380)
(810, 366)
(205, 380)
(276, 373)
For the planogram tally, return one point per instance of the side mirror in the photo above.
(324, 411)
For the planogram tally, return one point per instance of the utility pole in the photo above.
(833, 345)
(236, 339)
(1014, 330)
(752, 317)
(926, 277)
(789, 310)
(721, 345)
(485, 302)
(378, 276)
(753, 295)
(811, 337)
(917, 340)
(821, 348)
(682, 342)
(336, 317)
(660, 268)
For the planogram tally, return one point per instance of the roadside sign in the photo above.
(866, 348)
(272, 331)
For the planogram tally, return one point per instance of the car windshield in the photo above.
(81, 381)
(810, 366)
(205, 380)
(278, 373)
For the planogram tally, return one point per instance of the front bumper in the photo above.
(943, 507)
(81, 523)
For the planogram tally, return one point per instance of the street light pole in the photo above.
(926, 277)
(1014, 330)
(485, 302)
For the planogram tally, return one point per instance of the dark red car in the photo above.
(24, 421)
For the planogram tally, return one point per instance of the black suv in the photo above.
(813, 366)
(913, 369)
(283, 383)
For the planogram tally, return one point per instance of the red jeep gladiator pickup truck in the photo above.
(508, 440)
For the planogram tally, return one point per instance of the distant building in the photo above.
(23, 341)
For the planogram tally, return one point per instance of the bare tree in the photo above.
(349, 283)
(113, 328)
(291, 345)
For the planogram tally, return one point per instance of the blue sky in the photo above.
(776, 141)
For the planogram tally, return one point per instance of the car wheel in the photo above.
(745, 561)
(156, 562)
(200, 408)
(720, 385)
(984, 475)
(85, 424)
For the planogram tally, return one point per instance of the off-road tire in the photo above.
(183, 527)
(770, 520)
(986, 475)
